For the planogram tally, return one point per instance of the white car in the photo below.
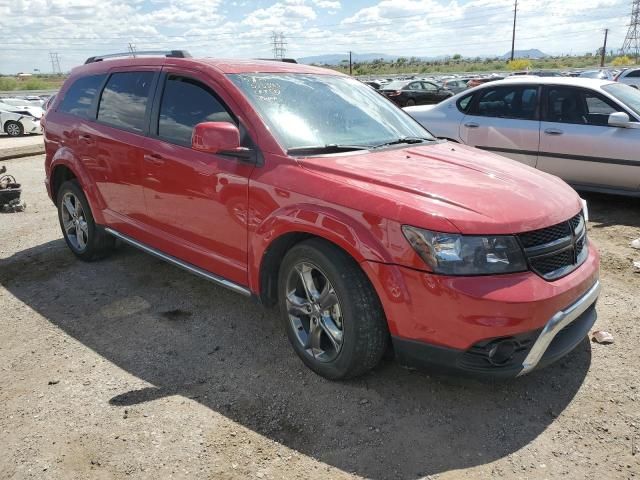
(16, 121)
(630, 76)
(585, 131)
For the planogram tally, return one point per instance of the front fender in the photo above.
(357, 236)
(65, 157)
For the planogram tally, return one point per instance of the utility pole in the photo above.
(350, 68)
(513, 37)
(55, 63)
(132, 49)
(604, 48)
(631, 45)
(278, 45)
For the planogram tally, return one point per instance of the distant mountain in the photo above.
(533, 53)
(336, 59)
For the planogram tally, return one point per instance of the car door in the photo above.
(197, 202)
(578, 145)
(414, 94)
(504, 120)
(433, 93)
(119, 134)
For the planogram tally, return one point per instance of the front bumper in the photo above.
(457, 321)
(530, 350)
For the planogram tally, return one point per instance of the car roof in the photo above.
(222, 65)
(569, 81)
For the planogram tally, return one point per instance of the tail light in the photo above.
(394, 93)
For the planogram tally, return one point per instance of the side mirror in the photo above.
(216, 137)
(619, 119)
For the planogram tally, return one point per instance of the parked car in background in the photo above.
(456, 85)
(602, 74)
(630, 76)
(538, 73)
(18, 124)
(302, 187)
(474, 82)
(374, 85)
(406, 93)
(584, 131)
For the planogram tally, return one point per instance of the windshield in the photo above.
(628, 96)
(306, 110)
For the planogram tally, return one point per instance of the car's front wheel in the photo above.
(85, 239)
(330, 311)
(14, 129)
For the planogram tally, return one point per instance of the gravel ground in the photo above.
(7, 142)
(132, 367)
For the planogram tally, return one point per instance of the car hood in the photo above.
(441, 184)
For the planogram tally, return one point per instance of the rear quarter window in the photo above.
(78, 100)
(464, 103)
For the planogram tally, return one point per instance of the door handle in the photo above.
(471, 125)
(553, 131)
(86, 138)
(154, 158)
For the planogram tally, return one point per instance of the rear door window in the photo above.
(185, 103)
(124, 100)
(78, 100)
(518, 102)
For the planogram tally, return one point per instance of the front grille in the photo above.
(558, 250)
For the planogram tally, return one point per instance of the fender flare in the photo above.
(330, 224)
(65, 157)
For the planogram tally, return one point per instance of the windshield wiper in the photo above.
(399, 141)
(323, 149)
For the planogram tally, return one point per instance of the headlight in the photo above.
(454, 254)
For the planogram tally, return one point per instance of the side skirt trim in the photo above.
(179, 263)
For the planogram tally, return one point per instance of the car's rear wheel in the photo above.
(14, 129)
(85, 239)
(410, 103)
(330, 311)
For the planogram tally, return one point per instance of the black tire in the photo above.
(410, 103)
(365, 333)
(13, 128)
(98, 243)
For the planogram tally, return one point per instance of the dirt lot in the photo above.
(131, 367)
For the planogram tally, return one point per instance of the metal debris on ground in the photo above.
(603, 337)
(10, 192)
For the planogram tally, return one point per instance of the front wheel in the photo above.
(330, 311)
(84, 238)
(14, 129)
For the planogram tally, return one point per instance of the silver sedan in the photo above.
(585, 131)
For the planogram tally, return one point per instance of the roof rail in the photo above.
(285, 60)
(165, 53)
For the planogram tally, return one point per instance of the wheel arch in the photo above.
(66, 166)
(278, 235)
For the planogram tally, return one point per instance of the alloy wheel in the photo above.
(13, 130)
(74, 222)
(314, 312)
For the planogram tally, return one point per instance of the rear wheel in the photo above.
(330, 311)
(410, 103)
(14, 129)
(85, 239)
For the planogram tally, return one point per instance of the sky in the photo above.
(77, 29)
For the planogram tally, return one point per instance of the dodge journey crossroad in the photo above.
(306, 189)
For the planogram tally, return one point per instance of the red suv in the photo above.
(303, 187)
